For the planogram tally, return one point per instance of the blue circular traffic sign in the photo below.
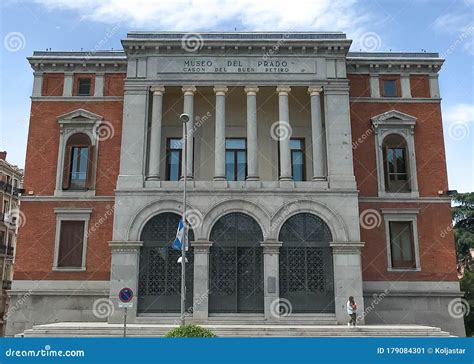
(125, 295)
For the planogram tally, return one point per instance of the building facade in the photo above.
(314, 174)
(10, 189)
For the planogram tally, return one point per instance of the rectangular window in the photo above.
(79, 166)
(389, 88)
(84, 87)
(401, 244)
(396, 169)
(174, 153)
(71, 244)
(297, 159)
(236, 159)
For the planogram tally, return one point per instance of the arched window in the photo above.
(396, 171)
(78, 163)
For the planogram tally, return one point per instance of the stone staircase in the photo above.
(103, 329)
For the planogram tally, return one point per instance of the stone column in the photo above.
(135, 116)
(219, 148)
(124, 273)
(340, 168)
(99, 84)
(374, 85)
(271, 283)
(252, 140)
(188, 92)
(201, 280)
(68, 83)
(155, 133)
(347, 278)
(37, 84)
(317, 133)
(434, 86)
(405, 86)
(285, 133)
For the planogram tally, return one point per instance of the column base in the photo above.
(153, 178)
(220, 183)
(315, 178)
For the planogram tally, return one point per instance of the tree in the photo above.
(463, 217)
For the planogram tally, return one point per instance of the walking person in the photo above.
(351, 311)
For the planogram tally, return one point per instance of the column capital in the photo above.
(189, 90)
(201, 246)
(158, 90)
(220, 90)
(283, 90)
(251, 90)
(315, 90)
(271, 246)
(346, 247)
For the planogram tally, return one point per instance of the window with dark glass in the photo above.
(395, 164)
(297, 159)
(389, 88)
(84, 87)
(298, 166)
(236, 159)
(174, 153)
(78, 163)
(71, 244)
(401, 244)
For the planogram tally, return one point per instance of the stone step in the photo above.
(99, 329)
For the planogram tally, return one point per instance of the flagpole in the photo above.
(185, 119)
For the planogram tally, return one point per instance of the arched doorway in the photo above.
(159, 284)
(236, 265)
(306, 265)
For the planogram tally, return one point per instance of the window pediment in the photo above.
(393, 119)
(79, 117)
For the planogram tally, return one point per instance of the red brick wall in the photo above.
(420, 86)
(429, 146)
(359, 85)
(36, 239)
(53, 84)
(113, 84)
(435, 239)
(43, 141)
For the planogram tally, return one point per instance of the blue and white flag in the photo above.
(177, 243)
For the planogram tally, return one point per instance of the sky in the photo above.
(443, 26)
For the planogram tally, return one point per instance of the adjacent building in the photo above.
(10, 218)
(314, 173)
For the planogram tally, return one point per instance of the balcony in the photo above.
(6, 250)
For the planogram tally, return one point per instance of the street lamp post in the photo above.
(184, 118)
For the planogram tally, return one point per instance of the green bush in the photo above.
(190, 331)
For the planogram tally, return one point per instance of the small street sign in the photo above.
(125, 295)
(125, 304)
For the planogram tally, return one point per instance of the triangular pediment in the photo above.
(393, 117)
(79, 116)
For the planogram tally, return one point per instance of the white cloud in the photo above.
(193, 15)
(460, 113)
(459, 24)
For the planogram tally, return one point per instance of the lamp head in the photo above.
(184, 117)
